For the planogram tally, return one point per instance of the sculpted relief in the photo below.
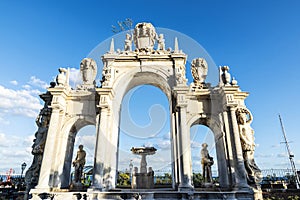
(199, 70)
(32, 174)
(144, 36)
(88, 71)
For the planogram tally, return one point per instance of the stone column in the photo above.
(228, 147)
(99, 157)
(220, 142)
(112, 134)
(67, 153)
(185, 151)
(143, 167)
(47, 171)
(240, 173)
(174, 152)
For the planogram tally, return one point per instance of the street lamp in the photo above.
(23, 166)
(130, 170)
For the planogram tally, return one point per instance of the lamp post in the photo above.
(23, 166)
(130, 170)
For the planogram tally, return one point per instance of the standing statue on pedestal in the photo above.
(161, 42)
(128, 42)
(244, 118)
(79, 163)
(207, 161)
(62, 79)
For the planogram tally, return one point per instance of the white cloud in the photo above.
(167, 136)
(148, 144)
(163, 144)
(74, 77)
(282, 155)
(196, 157)
(88, 142)
(262, 155)
(19, 102)
(4, 121)
(14, 82)
(38, 82)
(275, 146)
(27, 87)
(195, 144)
(14, 151)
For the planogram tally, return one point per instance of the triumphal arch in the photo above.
(144, 60)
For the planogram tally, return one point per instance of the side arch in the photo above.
(215, 123)
(69, 132)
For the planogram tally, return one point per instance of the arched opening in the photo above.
(84, 135)
(145, 121)
(201, 134)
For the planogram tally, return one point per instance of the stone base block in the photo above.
(149, 194)
(142, 181)
(77, 187)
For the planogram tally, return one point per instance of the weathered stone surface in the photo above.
(215, 107)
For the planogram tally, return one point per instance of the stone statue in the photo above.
(150, 171)
(135, 170)
(42, 121)
(225, 76)
(79, 163)
(199, 70)
(61, 78)
(180, 75)
(144, 36)
(106, 75)
(244, 119)
(207, 161)
(88, 70)
(161, 42)
(128, 42)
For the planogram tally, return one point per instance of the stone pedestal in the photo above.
(142, 181)
(143, 167)
(77, 186)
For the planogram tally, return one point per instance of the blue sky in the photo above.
(259, 40)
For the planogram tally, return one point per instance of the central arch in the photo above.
(151, 128)
(121, 74)
(135, 79)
